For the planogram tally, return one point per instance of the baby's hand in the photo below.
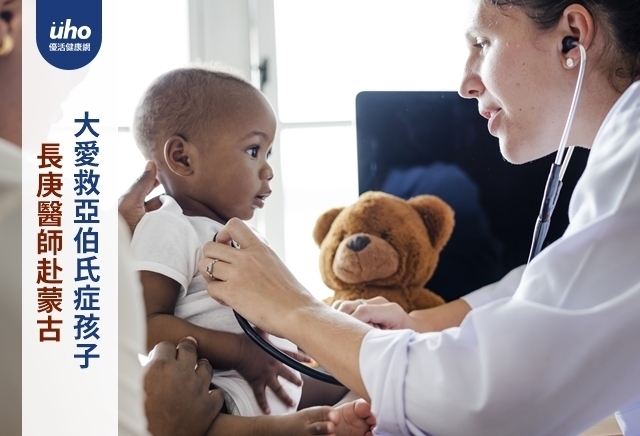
(261, 370)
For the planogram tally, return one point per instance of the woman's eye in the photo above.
(253, 151)
(268, 154)
(481, 44)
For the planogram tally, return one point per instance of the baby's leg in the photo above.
(355, 419)
(309, 422)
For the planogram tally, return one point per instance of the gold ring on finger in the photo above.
(209, 269)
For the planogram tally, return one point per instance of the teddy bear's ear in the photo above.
(324, 224)
(437, 216)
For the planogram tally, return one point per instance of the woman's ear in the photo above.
(577, 22)
(177, 155)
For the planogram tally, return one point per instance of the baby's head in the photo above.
(210, 134)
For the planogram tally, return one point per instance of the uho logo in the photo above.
(67, 31)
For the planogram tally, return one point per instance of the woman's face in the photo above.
(11, 71)
(11, 25)
(515, 72)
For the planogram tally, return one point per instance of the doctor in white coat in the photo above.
(553, 347)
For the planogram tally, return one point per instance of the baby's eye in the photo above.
(269, 154)
(253, 151)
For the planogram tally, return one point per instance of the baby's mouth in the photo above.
(260, 199)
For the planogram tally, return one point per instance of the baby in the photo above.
(210, 135)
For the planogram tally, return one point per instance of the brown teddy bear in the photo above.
(384, 245)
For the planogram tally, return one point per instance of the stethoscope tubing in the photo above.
(274, 352)
(558, 168)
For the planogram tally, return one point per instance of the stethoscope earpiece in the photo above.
(568, 43)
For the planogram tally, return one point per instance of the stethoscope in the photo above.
(551, 192)
(274, 352)
(559, 166)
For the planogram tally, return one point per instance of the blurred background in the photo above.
(311, 59)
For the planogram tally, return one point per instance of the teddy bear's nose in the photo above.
(358, 243)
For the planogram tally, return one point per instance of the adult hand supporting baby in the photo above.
(178, 398)
(131, 204)
(255, 282)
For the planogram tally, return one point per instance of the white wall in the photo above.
(241, 33)
(225, 36)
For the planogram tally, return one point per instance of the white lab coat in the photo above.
(549, 350)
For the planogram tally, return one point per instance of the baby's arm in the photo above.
(222, 349)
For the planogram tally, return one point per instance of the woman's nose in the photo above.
(471, 86)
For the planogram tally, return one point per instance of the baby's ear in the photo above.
(176, 155)
(323, 224)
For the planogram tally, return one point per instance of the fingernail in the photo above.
(148, 166)
(191, 338)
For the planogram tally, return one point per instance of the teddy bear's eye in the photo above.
(384, 235)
